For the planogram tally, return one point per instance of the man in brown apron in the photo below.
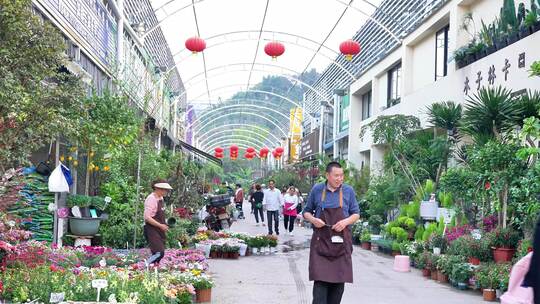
(154, 217)
(331, 207)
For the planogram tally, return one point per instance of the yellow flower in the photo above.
(76, 163)
(106, 168)
(62, 158)
(70, 158)
(96, 168)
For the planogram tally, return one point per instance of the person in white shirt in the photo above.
(272, 202)
(289, 209)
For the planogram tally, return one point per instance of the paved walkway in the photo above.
(283, 277)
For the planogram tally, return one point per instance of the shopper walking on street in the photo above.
(290, 200)
(250, 197)
(154, 221)
(331, 208)
(239, 200)
(272, 201)
(257, 198)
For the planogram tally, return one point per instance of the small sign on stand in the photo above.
(57, 297)
(99, 284)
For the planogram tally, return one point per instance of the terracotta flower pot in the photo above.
(366, 245)
(474, 261)
(203, 296)
(435, 275)
(442, 278)
(426, 272)
(235, 255)
(213, 254)
(502, 255)
(489, 295)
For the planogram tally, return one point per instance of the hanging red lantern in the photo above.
(264, 151)
(250, 150)
(218, 150)
(218, 155)
(279, 150)
(195, 44)
(274, 49)
(349, 48)
(234, 148)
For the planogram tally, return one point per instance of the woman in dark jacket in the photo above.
(532, 279)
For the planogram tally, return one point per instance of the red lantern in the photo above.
(349, 48)
(195, 44)
(218, 150)
(218, 155)
(487, 185)
(234, 148)
(279, 150)
(250, 150)
(274, 49)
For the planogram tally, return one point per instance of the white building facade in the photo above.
(421, 72)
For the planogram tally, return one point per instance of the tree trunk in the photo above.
(504, 205)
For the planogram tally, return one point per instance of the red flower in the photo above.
(53, 268)
(487, 185)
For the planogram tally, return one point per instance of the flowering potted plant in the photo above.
(503, 244)
(203, 288)
(272, 243)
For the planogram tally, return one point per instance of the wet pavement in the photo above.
(282, 277)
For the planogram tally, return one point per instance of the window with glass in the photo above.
(394, 85)
(441, 53)
(366, 105)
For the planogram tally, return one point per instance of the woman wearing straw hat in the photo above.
(154, 218)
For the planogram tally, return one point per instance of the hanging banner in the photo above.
(296, 134)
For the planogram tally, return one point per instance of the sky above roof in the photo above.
(232, 30)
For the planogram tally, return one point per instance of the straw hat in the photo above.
(165, 186)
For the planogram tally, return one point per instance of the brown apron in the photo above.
(155, 236)
(331, 262)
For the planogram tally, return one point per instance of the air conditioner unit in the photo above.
(74, 52)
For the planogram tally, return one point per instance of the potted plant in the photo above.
(459, 57)
(421, 263)
(365, 240)
(273, 243)
(503, 243)
(433, 267)
(215, 252)
(530, 22)
(395, 249)
(234, 252)
(442, 277)
(487, 277)
(461, 273)
(438, 243)
(203, 289)
(83, 202)
(476, 250)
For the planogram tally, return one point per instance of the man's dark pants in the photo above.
(275, 215)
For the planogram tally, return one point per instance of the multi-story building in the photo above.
(381, 35)
(421, 71)
(407, 77)
(105, 50)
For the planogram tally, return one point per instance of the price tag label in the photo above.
(57, 297)
(99, 283)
